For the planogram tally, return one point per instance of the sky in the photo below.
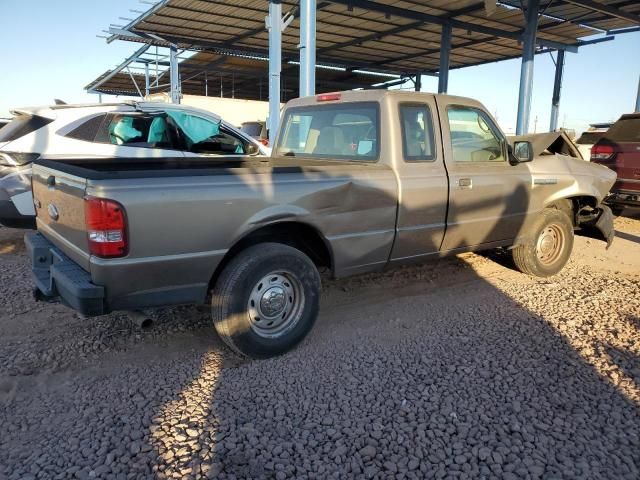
(51, 51)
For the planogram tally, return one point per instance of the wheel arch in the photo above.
(573, 205)
(296, 234)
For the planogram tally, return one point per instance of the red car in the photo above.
(619, 149)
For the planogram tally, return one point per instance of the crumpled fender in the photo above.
(600, 227)
(604, 224)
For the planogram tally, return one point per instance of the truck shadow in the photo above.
(482, 387)
(425, 376)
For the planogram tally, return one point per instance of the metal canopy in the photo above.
(215, 75)
(392, 36)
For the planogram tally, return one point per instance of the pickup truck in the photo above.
(357, 182)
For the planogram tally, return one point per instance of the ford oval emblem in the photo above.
(53, 211)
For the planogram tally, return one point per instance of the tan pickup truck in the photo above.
(358, 182)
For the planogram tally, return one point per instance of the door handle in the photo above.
(465, 183)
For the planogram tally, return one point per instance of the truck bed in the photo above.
(123, 168)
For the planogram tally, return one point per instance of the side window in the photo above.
(88, 129)
(222, 143)
(135, 130)
(201, 135)
(417, 133)
(474, 138)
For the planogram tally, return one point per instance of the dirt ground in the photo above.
(461, 368)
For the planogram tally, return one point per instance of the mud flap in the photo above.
(602, 227)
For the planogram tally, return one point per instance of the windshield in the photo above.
(338, 131)
(21, 126)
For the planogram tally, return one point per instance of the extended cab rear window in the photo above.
(345, 131)
(22, 125)
(625, 130)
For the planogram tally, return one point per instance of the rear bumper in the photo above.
(56, 275)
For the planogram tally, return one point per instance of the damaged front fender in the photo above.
(599, 226)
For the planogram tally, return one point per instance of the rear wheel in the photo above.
(548, 247)
(266, 300)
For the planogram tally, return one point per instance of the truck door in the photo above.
(489, 197)
(418, 161)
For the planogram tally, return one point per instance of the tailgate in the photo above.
(59, 201)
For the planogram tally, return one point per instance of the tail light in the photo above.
(264, 141)
(106, 227)
(602, 153)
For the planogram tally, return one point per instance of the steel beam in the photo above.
(307, 47)
(606, 9)
(174, 75)
(441, 20)
(274, 25)
(557, 87)
(445, 51)
(146, 79)
(526, 70)
(119, 68)
(418, 82)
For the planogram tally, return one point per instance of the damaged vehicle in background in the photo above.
(120, 130)
(619, 150)
(589, 138)
(358, 181)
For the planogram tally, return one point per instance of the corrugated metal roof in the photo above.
(394, 36)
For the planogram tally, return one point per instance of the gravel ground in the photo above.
(462, 368)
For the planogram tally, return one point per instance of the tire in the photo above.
(266, 300)
(548, 246)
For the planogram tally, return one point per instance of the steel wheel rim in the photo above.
(275, 304)
(550, 244)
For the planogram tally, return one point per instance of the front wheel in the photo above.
(548, 247)
(266, 300)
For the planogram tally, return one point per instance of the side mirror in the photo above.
(252, 149)
(522, 152)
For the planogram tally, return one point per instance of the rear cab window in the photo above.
(22, 125)
(345, 131)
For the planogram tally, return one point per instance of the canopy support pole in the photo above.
(418, 82)
(146, 79)
(445, 50)
(274, 25)
(307, 47)
(526, 70)
(557, 88)
(174, 76)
